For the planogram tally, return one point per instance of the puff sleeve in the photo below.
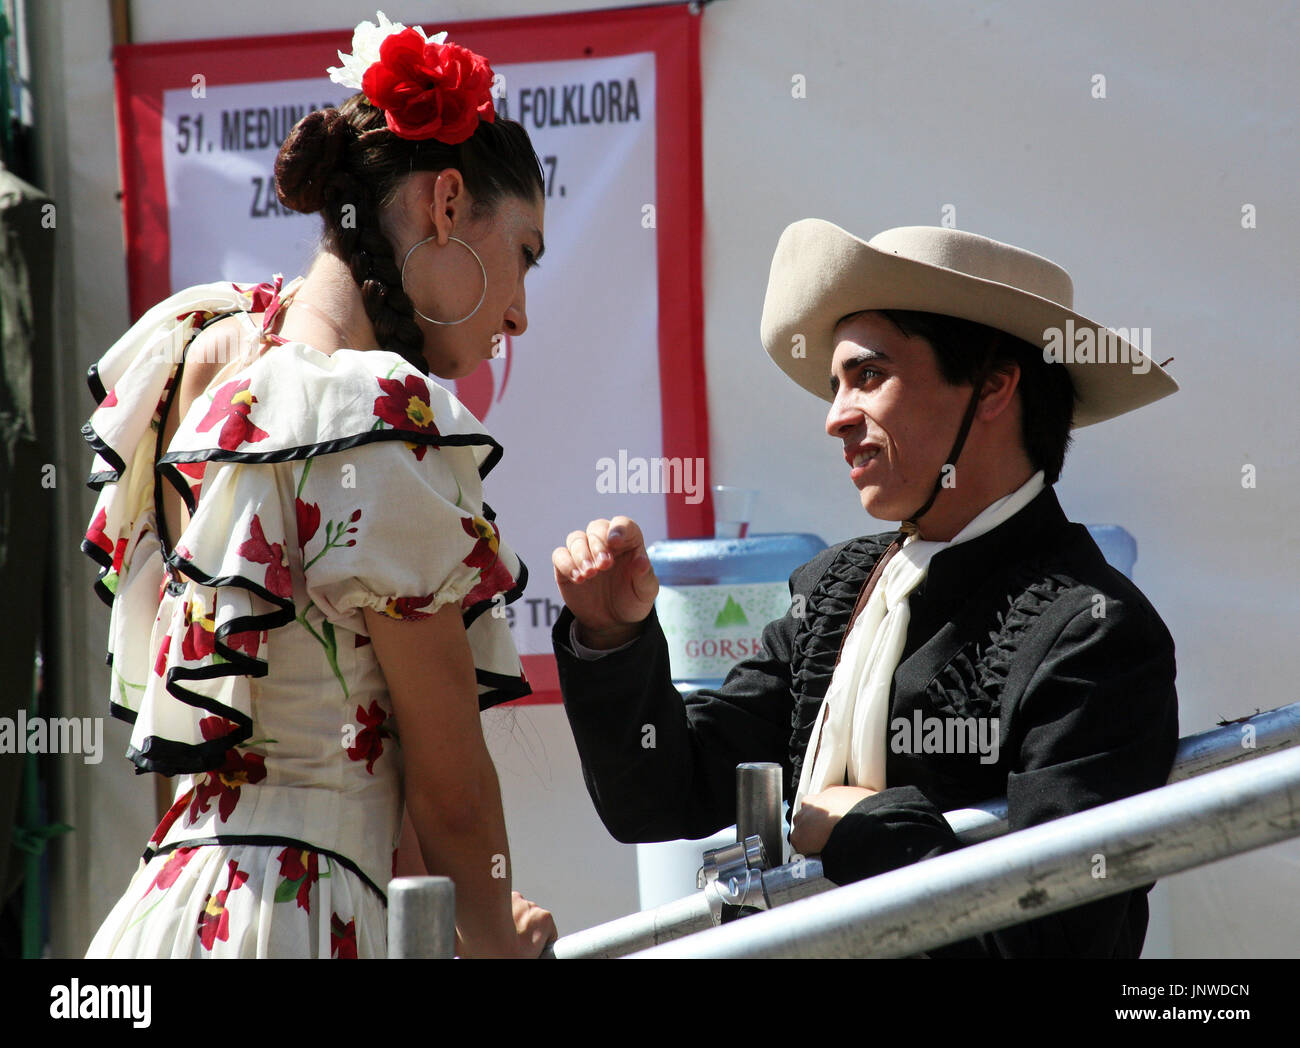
(382, 527)
(358, 485)
(317, 486)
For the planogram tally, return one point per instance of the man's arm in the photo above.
(659, 767)
(1096, 722)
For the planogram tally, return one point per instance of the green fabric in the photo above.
(26, 504)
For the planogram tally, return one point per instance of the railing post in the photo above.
(421, 918)
(1038, 871)
(758, 808)
(1248, 740)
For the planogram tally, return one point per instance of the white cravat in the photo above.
(848, 739)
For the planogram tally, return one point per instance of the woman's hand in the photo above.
(535, 927)
(819, 813)
(606, 580)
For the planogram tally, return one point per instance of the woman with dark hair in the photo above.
(307, 587)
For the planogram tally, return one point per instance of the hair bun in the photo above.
(310, 158)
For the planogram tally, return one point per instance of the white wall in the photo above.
(910, 107)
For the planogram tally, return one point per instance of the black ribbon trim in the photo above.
(105, 563)
(168, 757)
(101, 448)
(508, 688)
(121, 713)
(511, 595)
(330, 447)
(96, 384)
(265, 840)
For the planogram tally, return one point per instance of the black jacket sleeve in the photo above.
(659, 767)
(1096, 721)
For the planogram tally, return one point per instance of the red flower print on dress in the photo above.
(200, 639)
(343, 938)
(198, 315)
(336, 532)
(369, 743)
(405, 405)
(214, 921)
(236, 771)
(246, 640)
(486, 556)
(193, 470)
(409, 607)
(109, 401)
(171, 869)
(233, 402)
(95, 533)
(160, 663)
(265, 298)
(308, 514)
(259, 551)
(299, 870)
(173, 813)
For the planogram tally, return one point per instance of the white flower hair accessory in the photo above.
(366, 39)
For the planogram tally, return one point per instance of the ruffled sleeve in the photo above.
(131, 385)
(318, 485)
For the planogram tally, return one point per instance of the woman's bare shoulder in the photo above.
(219, 349)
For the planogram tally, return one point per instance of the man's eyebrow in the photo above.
(866, 356)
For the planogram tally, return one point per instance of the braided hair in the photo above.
(347, 164)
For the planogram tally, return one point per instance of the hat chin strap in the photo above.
(909, 526)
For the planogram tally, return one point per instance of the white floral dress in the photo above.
(317, 485)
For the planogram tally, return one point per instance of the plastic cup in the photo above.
(732, 509)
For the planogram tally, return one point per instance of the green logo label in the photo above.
(732, 614)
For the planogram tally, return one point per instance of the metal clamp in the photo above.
(733, 876)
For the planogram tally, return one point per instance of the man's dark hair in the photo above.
(1047, 395)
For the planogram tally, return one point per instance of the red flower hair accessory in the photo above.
(427, 88)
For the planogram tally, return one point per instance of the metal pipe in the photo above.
(758, 808)
(1026, 875)
(1206, 751)
(638, 931)
(794, 880)
(1217, 748)
(1235, 741)
(421, 918)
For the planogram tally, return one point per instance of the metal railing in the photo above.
(1224, 810)
(1039, 871)
(1220, 747)
(421, 918)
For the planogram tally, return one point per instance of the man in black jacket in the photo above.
(985, 648)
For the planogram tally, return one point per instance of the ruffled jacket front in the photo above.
(1025, 628)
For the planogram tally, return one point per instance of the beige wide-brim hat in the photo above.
(821, 273)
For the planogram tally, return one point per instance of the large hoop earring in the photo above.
(482, 269)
